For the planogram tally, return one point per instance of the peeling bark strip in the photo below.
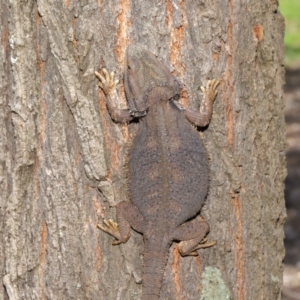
(230, 77)
(239, 248)
(230, 94)
(61, 157)
(177, 30)
(124, 26)
(175, 269)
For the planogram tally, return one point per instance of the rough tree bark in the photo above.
(61, 156)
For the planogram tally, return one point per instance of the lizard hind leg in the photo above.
(192, 236)
(128, 216)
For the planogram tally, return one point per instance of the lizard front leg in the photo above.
(128, 215)
(202, 118)
(108, 85)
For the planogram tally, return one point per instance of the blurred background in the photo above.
(290, 9)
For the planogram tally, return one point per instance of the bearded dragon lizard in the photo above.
(168, 172)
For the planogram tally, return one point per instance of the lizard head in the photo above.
(147, 80)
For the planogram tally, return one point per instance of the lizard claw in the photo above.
(211, 88)
(107, 81)
(205, 244)
(193, 252)
(111, 227)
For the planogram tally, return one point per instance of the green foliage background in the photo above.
(290, 9)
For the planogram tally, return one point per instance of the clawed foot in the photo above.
(193, 252)
(205, 244)
(107, 81)
(211, 88)
(111, 228)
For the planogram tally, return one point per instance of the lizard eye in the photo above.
(128, 67)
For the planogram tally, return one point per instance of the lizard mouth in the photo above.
(138, 114)
(138, 106)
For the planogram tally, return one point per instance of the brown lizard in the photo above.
(168, 173)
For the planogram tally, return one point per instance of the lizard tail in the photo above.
(155, 261)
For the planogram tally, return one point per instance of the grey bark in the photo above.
(61, 156)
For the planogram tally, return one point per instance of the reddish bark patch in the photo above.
(199, 270)
(43, 256)
(216, 56)
(98, 257)
(177, 39)
(228, 90)
(228, 94)
(258, 32)
(175, 270)
(124, 24)
(44, 107)
(238, 247)
(115, 155)
(4, 39)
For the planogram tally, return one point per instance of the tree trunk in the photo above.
(62, 157)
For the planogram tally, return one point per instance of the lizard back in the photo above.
(168, 167)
